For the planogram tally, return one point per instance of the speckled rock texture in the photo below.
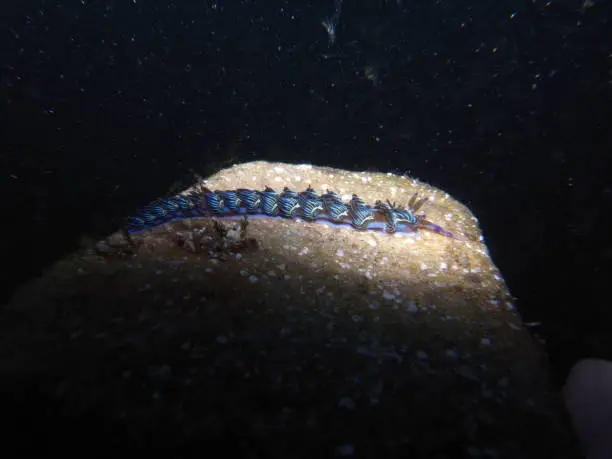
(283, 338)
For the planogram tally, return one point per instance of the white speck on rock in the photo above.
(451, 353)
(422, 355)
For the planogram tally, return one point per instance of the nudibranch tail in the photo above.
(438, 229)
(288, 204)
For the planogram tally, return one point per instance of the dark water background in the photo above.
(504, 104)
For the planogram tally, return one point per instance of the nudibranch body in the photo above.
(306, 205)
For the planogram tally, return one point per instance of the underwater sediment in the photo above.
(286, 337)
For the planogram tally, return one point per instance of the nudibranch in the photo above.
(306, 205)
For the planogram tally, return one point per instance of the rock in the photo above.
(432, 293)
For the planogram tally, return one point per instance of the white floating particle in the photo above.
(304, 251)
(443, 266)
(346, 403)
(388, 296)
(485, 342)
(345, 450)
(339, 253)
(244, 273)
(75, 334)
(253, 279)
